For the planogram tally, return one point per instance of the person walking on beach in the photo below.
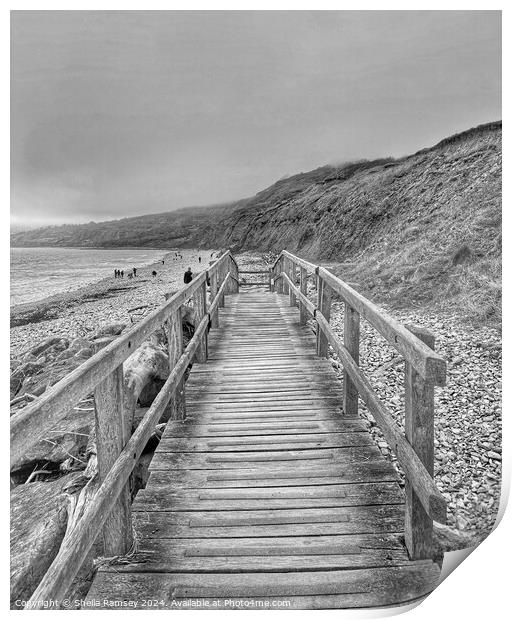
(135, 272)
(199, 259)
(188, 277)
(115, 273)
(122, 273)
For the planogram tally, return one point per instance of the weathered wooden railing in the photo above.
(423, 370)
(109, 511)
(263, 282)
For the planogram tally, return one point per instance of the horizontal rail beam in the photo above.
(299, 261)
(75, 548)
(310, 306)
(431, 499)
(254, 272)
(424, 360)
(216, 299)
(253, 283)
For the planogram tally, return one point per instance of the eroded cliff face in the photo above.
(422, 230)
(450, 190)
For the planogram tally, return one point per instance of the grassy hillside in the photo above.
(421, 230)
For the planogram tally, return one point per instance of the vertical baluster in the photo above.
(234, 271)
(419, 430)
(351, 341)
(199, 301)
(278, 269)
(174, 330)
(271, 287)
(112, 434)
(324, 306)
(304, 291)
(222, 276)
(292, 274)
(286, 288)
(214, 287)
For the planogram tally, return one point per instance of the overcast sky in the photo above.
(124, 113)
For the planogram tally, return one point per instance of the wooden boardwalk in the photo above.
(266, 496)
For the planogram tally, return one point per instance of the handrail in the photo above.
(64, 567)
(35, 420)
(424, 369)
(300, 261)
(216, 300)
(428, 363)
(431, 498)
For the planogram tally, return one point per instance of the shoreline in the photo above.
(81, 288)
(81, 311)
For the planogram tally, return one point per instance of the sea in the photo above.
(37, 273)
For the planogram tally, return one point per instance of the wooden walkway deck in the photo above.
(266, 496)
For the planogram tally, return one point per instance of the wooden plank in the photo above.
(256, 500)
(191, 460)
(264, 429)
(284, 545)
(309, 475)
(256, 443)
(346, 520)
(162, 562)
(320, 589)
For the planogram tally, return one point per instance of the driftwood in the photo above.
(39, 515)
(149, 363)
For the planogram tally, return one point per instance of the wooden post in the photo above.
(111, 436)
(278, 269)
(199, 301)
(214, 287)
(271, 286)
(304, 290)
(233, 286)
(174, 331)
(351, 341)
(285, 269)
(419, 431)
(324, 306)
(292, 274)
(222, 275)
